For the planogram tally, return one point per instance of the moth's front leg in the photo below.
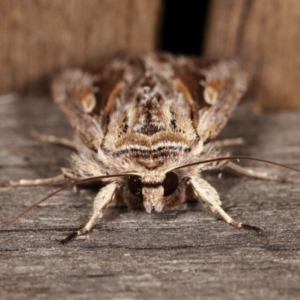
(102, 200)
(208, 194)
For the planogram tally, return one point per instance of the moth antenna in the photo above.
(238, 158)
(86, 180)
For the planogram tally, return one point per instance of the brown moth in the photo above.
(150, 119)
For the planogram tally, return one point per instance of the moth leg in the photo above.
(102, 200)
(210, 196)
(35, 182)
(54, 140)
(60, 178)
(228, 142)
(254, 174)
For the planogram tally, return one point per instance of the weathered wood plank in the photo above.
(181, 253)
(40, 37)
(266, 34)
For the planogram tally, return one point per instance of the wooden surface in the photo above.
(266, 35)
(183, 253)
(42, 36)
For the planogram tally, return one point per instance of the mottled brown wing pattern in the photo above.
(73, 91)
(210, 90)
(88, 98)
(215, 89)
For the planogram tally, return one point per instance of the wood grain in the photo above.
(182, 253)
(40, 37)
(266, 35)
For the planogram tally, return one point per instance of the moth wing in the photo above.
(211, 90)
(215, 88)
(73, 92)
(89, 98)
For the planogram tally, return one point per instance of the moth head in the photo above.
(156, 191)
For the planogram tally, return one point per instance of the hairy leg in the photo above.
(260, 175)
(58, 179)
(209, 195)
(102, 200)
(54, 140)
(227, 142)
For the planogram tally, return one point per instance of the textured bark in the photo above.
(41, 36)
(182, 253)
(265, 34)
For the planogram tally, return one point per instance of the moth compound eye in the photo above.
(170, 183)
(135, 185)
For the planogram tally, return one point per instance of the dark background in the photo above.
(183, 26)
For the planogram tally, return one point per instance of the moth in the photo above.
(145, 126)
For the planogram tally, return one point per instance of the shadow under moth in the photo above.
(145, 126)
